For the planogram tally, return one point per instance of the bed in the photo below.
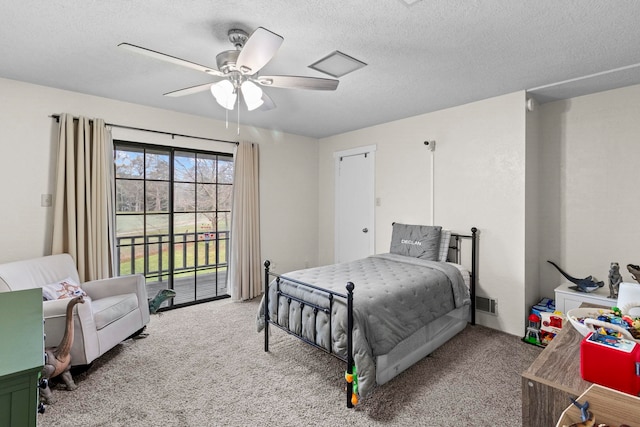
(380, 314)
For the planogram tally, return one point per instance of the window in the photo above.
(173, 213)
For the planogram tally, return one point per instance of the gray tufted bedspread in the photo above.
(394, 296)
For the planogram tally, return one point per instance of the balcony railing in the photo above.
(150, 254)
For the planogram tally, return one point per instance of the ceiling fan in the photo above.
(237, 74)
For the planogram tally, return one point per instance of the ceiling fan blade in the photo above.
(189, 90)
(298, 82)
(261, 46)
(171, 59)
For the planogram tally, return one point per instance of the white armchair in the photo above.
(115, 309)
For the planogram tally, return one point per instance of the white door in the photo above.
(354, 238)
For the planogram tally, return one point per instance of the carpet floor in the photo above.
(204, 365)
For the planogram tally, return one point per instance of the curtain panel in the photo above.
(83, 208)
(245, 273)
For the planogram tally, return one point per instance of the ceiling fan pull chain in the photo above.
(226, 119)
(238, 115)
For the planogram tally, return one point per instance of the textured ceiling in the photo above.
(421, 58)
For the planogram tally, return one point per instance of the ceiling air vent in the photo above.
(337, 64)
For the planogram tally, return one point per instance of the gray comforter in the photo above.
(394, 296)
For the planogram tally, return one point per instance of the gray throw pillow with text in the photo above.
(418, 241)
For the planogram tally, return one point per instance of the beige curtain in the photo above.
(83, 220)
(245, 273)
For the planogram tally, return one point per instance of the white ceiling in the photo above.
(421, 58)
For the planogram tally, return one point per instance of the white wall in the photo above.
(590, 180)
(532, 207)
(288, 168)
(559, 183)
(479, 181)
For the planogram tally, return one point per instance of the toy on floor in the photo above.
(550, 326)
(161, 296)
(154, 306)
(533, 330)
(58, 359)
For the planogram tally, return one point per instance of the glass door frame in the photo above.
(172, 153)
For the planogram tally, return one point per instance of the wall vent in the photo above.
(488, 305)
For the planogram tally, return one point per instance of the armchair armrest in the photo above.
(103, 288)
(134, 283)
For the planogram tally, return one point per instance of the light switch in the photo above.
(46, 200)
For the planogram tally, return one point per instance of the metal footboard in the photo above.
(330, 296)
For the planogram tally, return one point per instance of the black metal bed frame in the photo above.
(455, 245)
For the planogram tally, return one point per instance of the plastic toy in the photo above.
(533, 330)
(352, 378)
(588, 284)
(585, 415)
(615, 317)
(551, 325)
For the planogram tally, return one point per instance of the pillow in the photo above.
(418, 241)
(445, 238)
(66, 288)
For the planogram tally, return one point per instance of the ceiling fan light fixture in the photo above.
(238, 71)
(224, 94)
(252, 95)
(337, 64)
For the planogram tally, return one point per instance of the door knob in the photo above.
(365, 230)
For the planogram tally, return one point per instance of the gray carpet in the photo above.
(204, 365)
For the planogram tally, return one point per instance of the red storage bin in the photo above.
(611, 362)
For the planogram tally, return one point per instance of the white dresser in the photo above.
(566, 298)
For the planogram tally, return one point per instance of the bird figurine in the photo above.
(588, 284)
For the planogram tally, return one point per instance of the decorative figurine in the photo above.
(588, 284)
(615, 278)
(635, 271)
(161, 296)
(58, 359)
(588, 420)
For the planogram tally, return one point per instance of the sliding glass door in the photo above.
(173, 211)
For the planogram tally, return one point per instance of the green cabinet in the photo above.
(21, 356)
